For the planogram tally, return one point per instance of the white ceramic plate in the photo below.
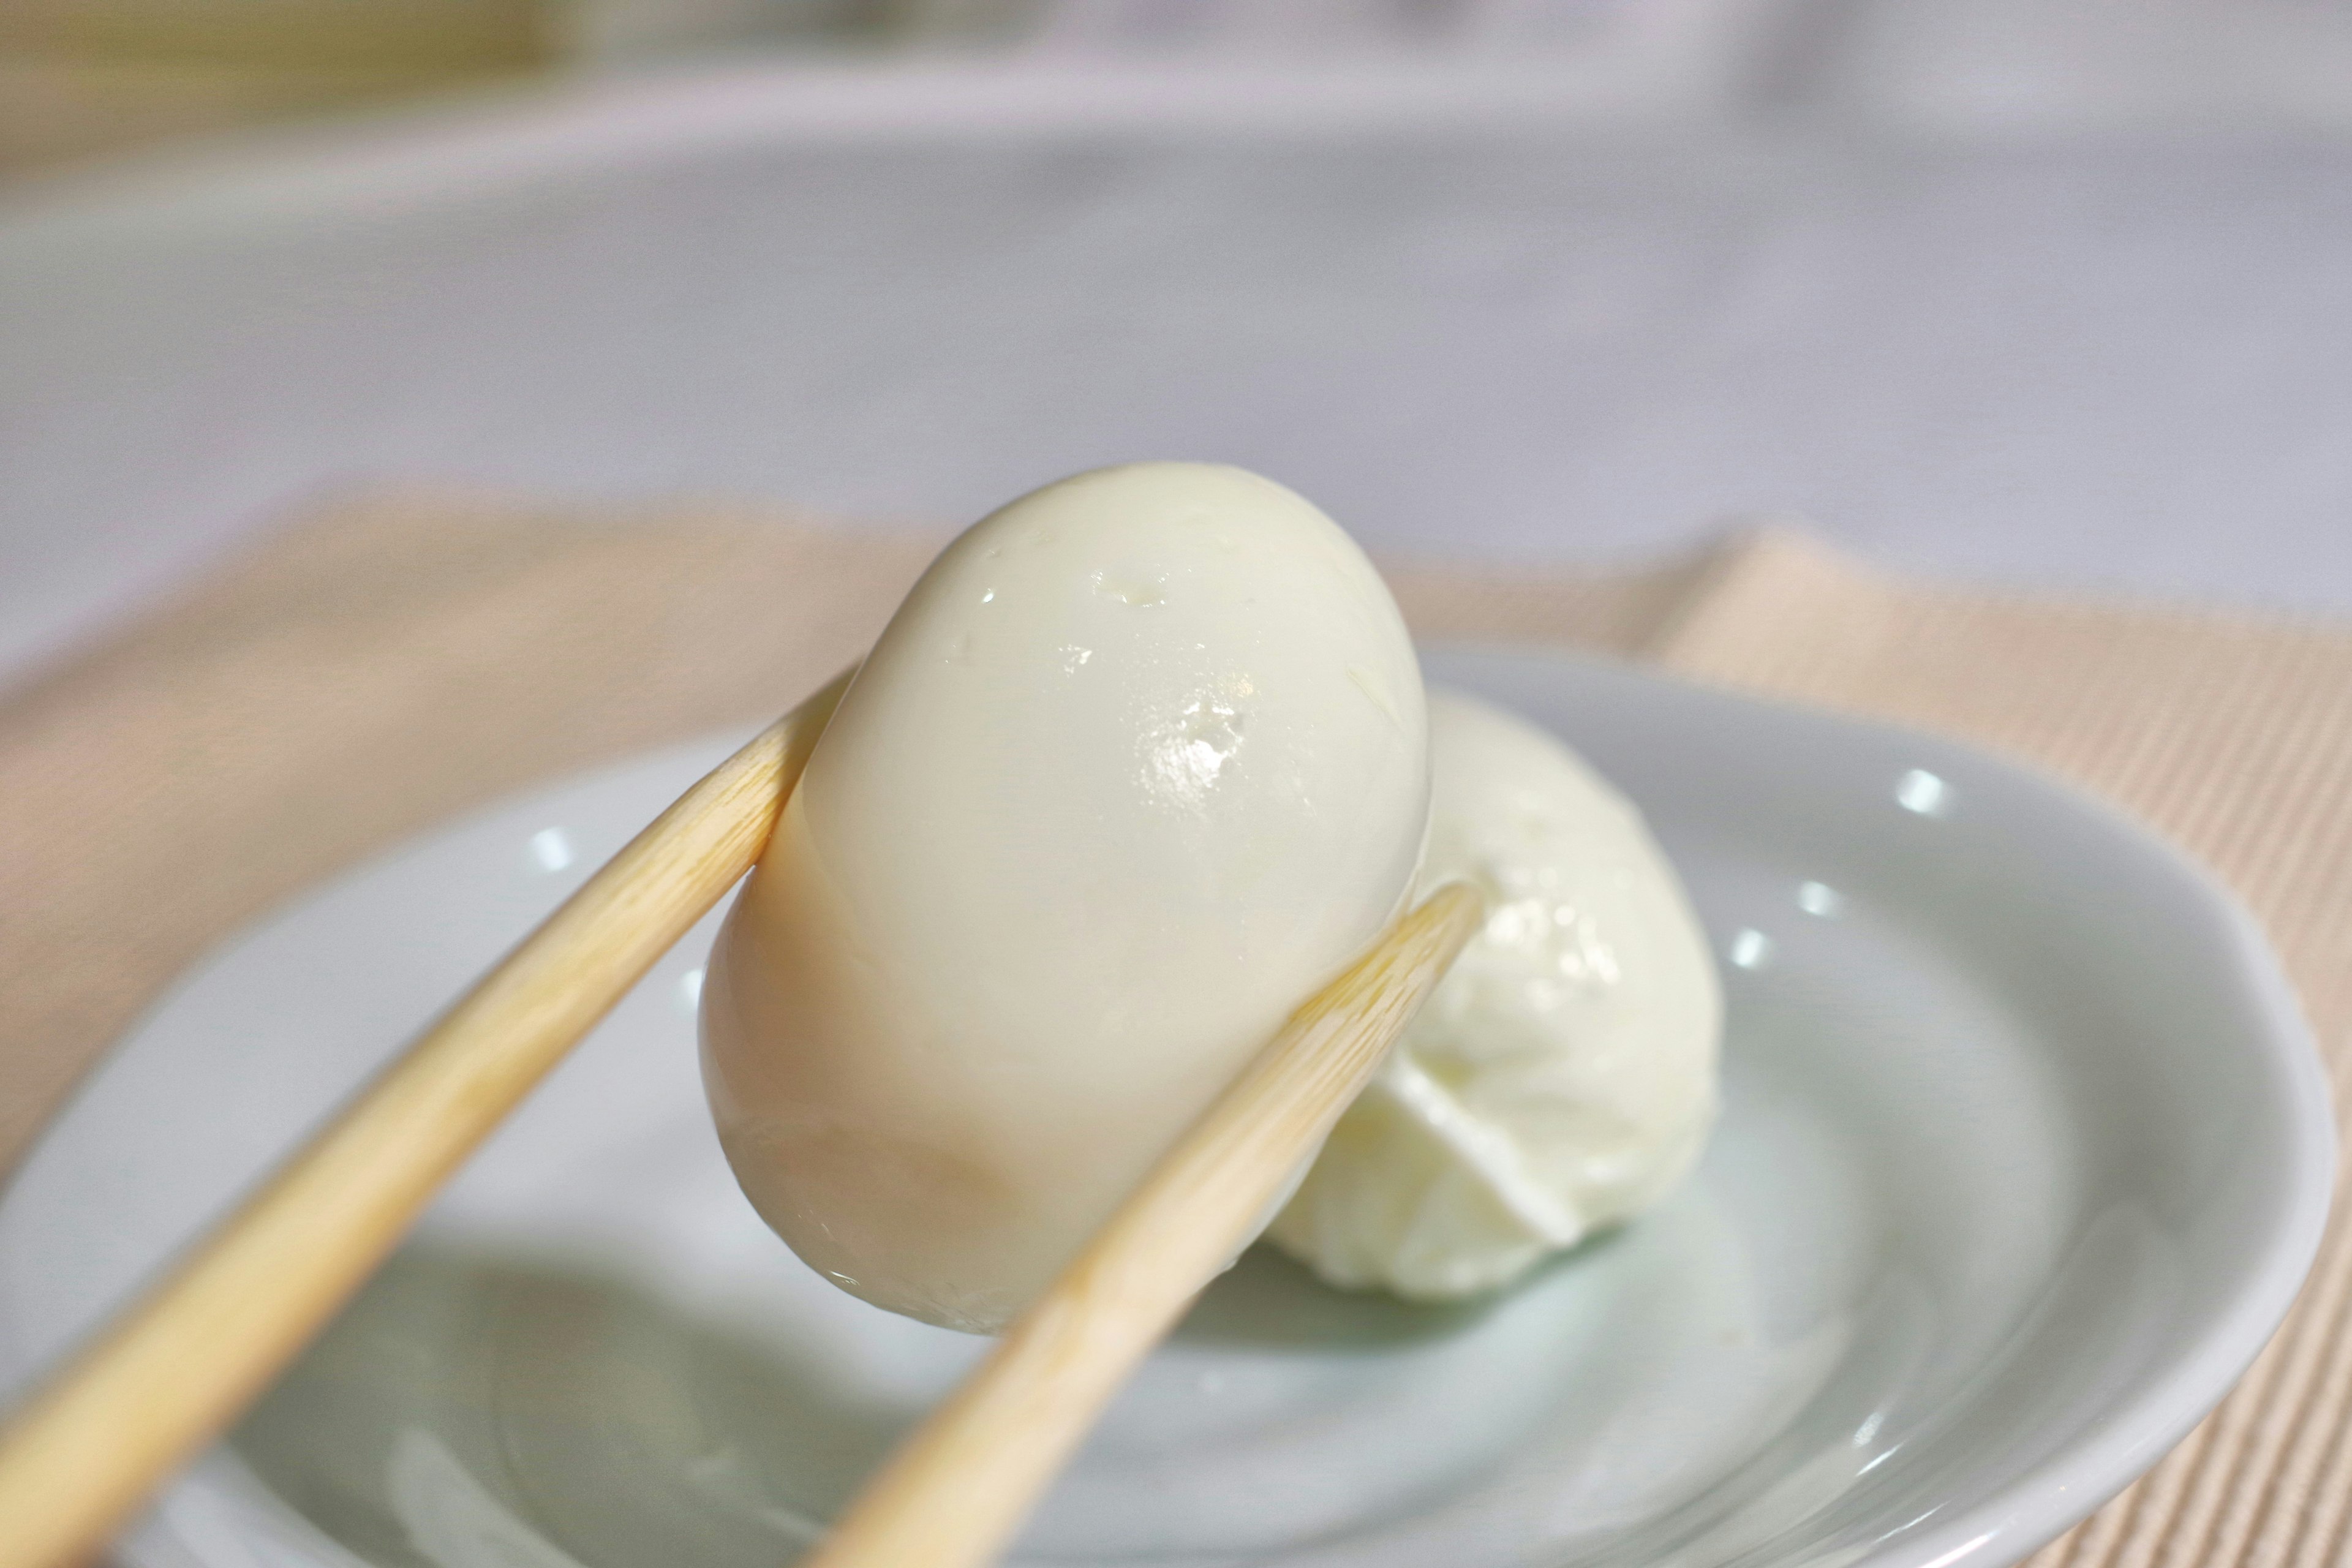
(2026, 1152)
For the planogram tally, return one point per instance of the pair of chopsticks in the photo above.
(180, 1364)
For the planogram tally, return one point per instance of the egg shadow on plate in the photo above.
(480, 1405)
(1270, 1300)
(469, 1399)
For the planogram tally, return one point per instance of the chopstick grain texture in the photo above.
(957, 1489)
(185, 1359)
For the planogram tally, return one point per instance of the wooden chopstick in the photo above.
(185, 1359)
(957, 1487)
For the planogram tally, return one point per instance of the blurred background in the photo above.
(2050, 292)
(79, 77)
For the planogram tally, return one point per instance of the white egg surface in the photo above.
(1140, 763)
(1563, 1074)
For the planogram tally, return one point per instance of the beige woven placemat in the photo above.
(386, 662)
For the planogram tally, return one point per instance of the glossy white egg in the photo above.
(1140, 763)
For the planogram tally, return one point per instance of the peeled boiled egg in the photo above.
(1140, 763)
(1562, 1075)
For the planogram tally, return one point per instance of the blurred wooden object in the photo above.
(83, 78)
(80, 78)
(414, 36)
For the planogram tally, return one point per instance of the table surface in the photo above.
(2073, 311)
